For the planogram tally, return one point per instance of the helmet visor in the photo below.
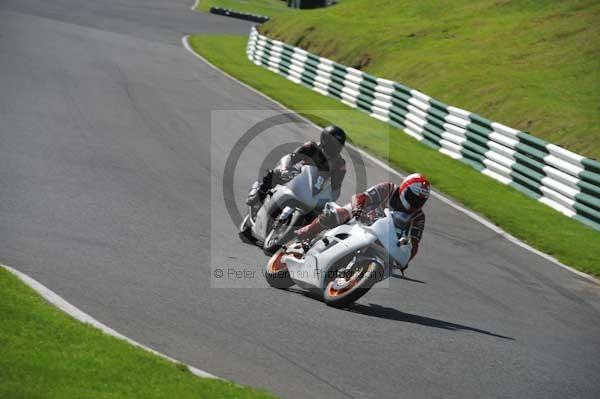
(415, 201)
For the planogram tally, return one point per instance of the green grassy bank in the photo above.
(542, 227)
(46, 354)
(530, 64)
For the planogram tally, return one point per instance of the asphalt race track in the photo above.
(111, 168)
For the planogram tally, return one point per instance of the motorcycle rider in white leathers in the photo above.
(408, 198)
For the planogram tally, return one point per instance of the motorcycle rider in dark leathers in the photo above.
(324, 155)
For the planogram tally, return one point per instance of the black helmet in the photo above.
(333, 139)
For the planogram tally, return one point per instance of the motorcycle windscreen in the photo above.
(310, 188)
(388, 234)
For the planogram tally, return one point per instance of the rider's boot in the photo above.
(259, 189)
(256, 195)
(402, 269)
(310, 231)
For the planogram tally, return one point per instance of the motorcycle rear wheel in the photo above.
(342, 291)
(276, 272)
(245, 231)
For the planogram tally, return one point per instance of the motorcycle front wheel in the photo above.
(281, 232)
(276, 272)
(352, 284)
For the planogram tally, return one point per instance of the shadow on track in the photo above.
(414, 280)
(384, 312)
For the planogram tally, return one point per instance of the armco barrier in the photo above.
(237, 14)
(551, 174)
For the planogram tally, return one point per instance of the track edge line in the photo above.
(63, 305)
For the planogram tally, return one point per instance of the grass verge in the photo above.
(569, 241)
(45, 353)
(267, 8)
(532, 65)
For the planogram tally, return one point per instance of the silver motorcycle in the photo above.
(346, 261)
(286, 207)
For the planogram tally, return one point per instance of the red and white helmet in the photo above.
(413, 192)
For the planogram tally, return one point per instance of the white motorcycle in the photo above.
(346, 261)
(286, 207)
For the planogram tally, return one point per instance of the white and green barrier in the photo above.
(561, 179)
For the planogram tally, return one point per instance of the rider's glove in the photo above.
(356, 212)
(371, 216)
(285, 174)
(358, 203)
(403, 241)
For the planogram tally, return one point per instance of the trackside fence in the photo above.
(561, 179)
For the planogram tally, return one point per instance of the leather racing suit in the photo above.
(369, 204)
(310, 153)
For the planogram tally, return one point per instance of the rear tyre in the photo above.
(276, 272)
(245, 232)
(344, 290)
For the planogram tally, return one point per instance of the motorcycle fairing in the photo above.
(298, 191)
(322, 260)
(312, 273)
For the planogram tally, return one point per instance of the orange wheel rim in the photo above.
(277, 265)
(334, 292)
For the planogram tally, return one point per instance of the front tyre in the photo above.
(281, 232)
(352, 284)
(274, 239)
(276, 272)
